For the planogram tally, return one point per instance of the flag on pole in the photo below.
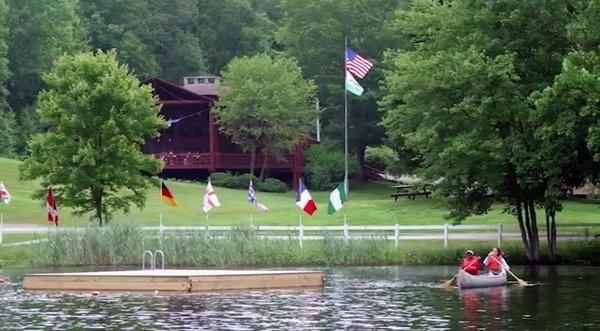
(304, 200)
(210, 198)
(356, 64)
(336, 199)
(51, 207)
(251, 193)
(167, 197)
(352, 85)
(4, 194)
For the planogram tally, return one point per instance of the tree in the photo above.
(152, 37)
(459, 98)
(266, 105)
(98, 116)
(568, 115)
(228, 29)
(7, 133)
(313, 31)
(40, 31)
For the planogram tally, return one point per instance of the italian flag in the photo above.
(336, 199)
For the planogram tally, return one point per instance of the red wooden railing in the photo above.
(194, 160)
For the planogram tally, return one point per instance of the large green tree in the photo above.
(459, 98)
(98, 116)
(314, 31)
(569, 116)
(266, 106)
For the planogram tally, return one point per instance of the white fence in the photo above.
(396, 233)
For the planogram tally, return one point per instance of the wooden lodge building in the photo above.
(192, 147)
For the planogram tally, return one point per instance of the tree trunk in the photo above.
(263, 170)
(97, 196)
(551, 235)
(534, 231)
(359, 150)
(252, 161)
(524, 238)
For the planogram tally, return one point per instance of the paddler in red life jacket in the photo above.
(470, 263)
(495, 261)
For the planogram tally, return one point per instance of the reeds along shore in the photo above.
(122, 244)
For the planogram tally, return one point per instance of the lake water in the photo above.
(353, 298)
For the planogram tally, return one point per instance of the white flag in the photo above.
(210, 198)
(4, 195)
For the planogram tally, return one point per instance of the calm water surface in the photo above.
(353, 298)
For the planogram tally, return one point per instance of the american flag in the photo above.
(356, 64)
(251, 193)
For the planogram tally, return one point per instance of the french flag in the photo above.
(304, 200)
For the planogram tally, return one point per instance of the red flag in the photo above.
(51, 207)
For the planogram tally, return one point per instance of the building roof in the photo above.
(203, 89)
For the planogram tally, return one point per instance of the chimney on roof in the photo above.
(202, 80)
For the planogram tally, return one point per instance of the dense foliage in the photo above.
(241, 181)
(266, 105)
(495, 97)
(461, 98)
(98, 115)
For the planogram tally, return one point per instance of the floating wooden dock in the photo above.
(174, 280)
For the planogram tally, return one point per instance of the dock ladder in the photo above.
(152, 259)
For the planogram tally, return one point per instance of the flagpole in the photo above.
(346, 188)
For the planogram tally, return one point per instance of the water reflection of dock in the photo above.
(174, 280)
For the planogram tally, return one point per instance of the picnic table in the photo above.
(405, 190)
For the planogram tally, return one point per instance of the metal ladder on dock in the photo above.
(152, 259)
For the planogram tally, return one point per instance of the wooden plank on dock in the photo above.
(173, 280)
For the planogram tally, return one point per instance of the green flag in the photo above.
(336, 199)
(352, 85)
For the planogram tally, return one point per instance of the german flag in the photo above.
(167, 197)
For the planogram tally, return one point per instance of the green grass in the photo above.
(370, 204)
(120, 244)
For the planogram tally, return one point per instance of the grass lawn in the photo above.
(370, 204)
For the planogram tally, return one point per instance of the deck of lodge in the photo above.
(174, 280)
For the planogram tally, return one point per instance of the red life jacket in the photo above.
(494, 263)
(470, 265)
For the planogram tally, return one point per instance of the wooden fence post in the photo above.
(397, 235)
(445, 235)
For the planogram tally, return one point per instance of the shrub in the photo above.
(325, 167)
(226, 179)
(381, 157)
(271, 185)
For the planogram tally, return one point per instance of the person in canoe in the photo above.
(495, 262)
(470, 263)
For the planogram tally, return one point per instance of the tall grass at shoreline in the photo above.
(122, 244)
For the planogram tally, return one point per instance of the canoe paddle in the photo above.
(446, 284)
(519, 280)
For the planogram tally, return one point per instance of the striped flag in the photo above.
(304, 200)
(167, 197)
(51, 207)
(356, 64)
(251, 193)
(210, 198)
(336, 199)
(4, 194)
